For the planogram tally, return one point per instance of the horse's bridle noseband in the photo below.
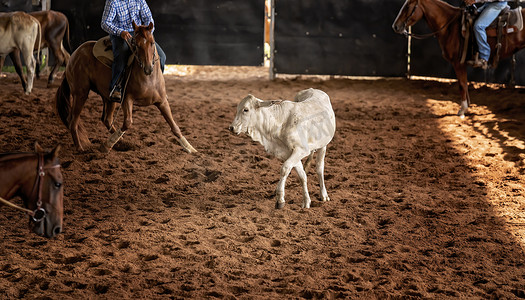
(39, 213)
(410, 16)
(424, 36)
(133, 46)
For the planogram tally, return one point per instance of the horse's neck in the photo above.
(154, 80)
(438, 14)
(16, 174)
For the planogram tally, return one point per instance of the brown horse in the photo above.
(445, 22)
(35, 178)
(145, 87)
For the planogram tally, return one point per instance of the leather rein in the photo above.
(426, 35)
(39, 213)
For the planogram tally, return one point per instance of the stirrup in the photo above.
(115, 95)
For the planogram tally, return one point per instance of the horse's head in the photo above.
(410, 13)
(144, 47)
(46, 195)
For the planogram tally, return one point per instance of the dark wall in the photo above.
(15, 5)
(211, 32)
(200, 32)
(341, 37)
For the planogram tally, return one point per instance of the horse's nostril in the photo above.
(57, 230)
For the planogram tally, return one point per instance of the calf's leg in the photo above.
(320, 172)
(302, 176)
(291, 162)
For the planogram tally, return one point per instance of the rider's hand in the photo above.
(470, 2)
(125, 35)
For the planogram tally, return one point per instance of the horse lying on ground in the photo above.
(20, 33)
(290, 131)
(37, 179)
(445, 22)
(145, 86)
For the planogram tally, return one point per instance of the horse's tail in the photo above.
(63, 108)
(63, 102)
(67, 36)
(39, 43)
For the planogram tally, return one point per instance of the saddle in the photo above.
(104, 53)
(509, 21)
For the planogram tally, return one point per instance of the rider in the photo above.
(489, 12)
(117, 21)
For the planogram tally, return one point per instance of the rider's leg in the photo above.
(162, 57)
(490, 12)
(121, 53)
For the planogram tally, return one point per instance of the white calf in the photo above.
(290, 130)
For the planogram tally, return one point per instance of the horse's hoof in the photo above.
(279, 205)
(104, 149)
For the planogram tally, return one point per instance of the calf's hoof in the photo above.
(279, 205)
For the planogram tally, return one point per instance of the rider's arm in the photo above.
(108, 19)
(145, 14)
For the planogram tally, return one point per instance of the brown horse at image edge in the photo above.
(445, 22)
(145, 87)
(37, 179)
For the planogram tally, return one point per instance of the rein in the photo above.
(39, 213)
(426, 35)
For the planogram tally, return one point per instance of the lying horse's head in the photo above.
(409, 14)
(45, 194)
(144, 47)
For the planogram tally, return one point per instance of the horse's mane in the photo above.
(15, 155)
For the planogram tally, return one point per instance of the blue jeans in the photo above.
(489, 12)
(121, 53)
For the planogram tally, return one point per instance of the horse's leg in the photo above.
(17, 62)
(165, 110)
(127, 110)
(461, 74)
(37, 67)
(79, 99)
(59, 60)
(2, 61)
(108, 113)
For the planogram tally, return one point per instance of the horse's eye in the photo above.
(245, 110)
(58, 185)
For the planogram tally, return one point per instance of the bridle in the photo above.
(39, 213)
(426, 35)
(133, 46)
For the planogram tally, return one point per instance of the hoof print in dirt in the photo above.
(123, 146)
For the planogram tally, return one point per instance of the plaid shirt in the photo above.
(118, 15)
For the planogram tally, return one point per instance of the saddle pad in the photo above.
(102, 51)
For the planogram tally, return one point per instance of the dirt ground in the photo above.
(424, 204)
